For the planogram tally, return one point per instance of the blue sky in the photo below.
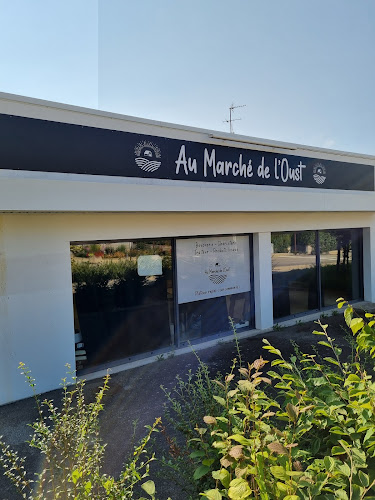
(305, 70)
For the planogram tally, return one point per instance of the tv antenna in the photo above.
(231, 120)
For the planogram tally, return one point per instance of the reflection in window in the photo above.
(123, 299)
(294, 276)
(211, 316)
(340, 261)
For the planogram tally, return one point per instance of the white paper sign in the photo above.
(212, 267)
(150, 265)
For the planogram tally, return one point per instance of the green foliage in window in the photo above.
(327, 241)
(281, 242)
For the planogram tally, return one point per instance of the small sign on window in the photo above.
(150, 265)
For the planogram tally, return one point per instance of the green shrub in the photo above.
(312, 436)
(304, 429)
(68, 438)
(186, 405)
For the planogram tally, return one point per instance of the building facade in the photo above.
(122, 239)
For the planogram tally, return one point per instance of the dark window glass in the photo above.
(341, 262)
(213, 276)
(209, 317)
(123, 299)
(294, 275)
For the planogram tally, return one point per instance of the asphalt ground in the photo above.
(135, 395)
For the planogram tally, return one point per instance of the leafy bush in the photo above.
(68, 438)
(313, 438)
(186, 405)
(303, 430)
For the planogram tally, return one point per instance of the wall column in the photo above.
(369, 263)
(263, 280)
(36, 307)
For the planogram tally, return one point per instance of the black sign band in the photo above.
(44, 146)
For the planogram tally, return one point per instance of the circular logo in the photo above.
(217, 273)
(147, 156)
(319, 173)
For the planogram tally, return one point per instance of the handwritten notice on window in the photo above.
(212, 267)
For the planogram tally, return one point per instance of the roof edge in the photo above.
(213, 134)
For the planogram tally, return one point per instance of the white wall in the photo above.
(263, 296)
(36, 305)
(36, 313)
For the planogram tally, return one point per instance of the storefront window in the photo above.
(340, 261)
(213, 278)
(294, 274)
(123, 299)
(311, 269)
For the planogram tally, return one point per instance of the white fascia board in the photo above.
(51, 192)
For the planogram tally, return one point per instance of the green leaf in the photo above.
(340, 304)
(337, 430)
(357, 492)
(315, 446)
(239, 489)
(208, 461)
(363, 479)
(356, 324)
(273, 350)
(76, 474)
(332, 361)
(88, 486)
(348, 314)
(282, 487)
(223, 476)
(200, 471)
(108, 485)
(344, 469)
(323, 342)
(278, 472)
(219, 445)
(329, 463)
(222, 419)
(276, 362)
(197, 454)
(352, 378)
(291, 497)
(359, 458)
(212, 494)
(149, 487)
(241, 439)
(369, 433)
(220, 400)
(341, 495)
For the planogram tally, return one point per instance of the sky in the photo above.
(304, 70)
